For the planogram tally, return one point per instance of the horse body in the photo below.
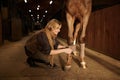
(77, 16)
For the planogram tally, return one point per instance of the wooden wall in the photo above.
(5, 24)
(103, 32)
(0, 29)
(16, 29)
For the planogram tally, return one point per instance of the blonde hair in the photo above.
(51, 25)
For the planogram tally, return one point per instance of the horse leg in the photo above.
(85, 22)
(69, 61)
(78, 26)
(70, 22)
(82, 41)
(82, 55)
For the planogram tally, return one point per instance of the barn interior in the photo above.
(21, 18)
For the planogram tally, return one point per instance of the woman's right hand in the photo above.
(68, 50)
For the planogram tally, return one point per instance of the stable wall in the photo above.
(103, 31)
(0, 30)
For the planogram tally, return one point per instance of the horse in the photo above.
(77, 17)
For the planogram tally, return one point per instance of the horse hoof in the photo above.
(67, 67)
(83, 64)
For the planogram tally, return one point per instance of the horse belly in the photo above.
(75, 8)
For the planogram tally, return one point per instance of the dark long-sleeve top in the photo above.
(39, 42)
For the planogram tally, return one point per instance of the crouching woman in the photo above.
(43, 45)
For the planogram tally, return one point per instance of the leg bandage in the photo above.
(82, 54)
(83, 64)
(74, 51)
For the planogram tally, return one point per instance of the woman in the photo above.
(43, 45)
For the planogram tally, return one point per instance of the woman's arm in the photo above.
(62, 46)
(58, 51)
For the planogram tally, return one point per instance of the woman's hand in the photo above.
(68, 50)
(73, 47)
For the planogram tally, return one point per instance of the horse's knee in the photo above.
(82, 40)
(70, 41)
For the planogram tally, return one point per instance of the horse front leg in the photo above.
(70, 23)
(78, 26)
(69, 61)
(82, 42)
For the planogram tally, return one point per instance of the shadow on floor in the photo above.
(106, 64)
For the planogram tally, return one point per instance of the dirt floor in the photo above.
(13, 66)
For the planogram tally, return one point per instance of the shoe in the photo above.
(31, 62)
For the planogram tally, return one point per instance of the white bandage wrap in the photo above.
(74, 42)
(82, 54)
(83, 65)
